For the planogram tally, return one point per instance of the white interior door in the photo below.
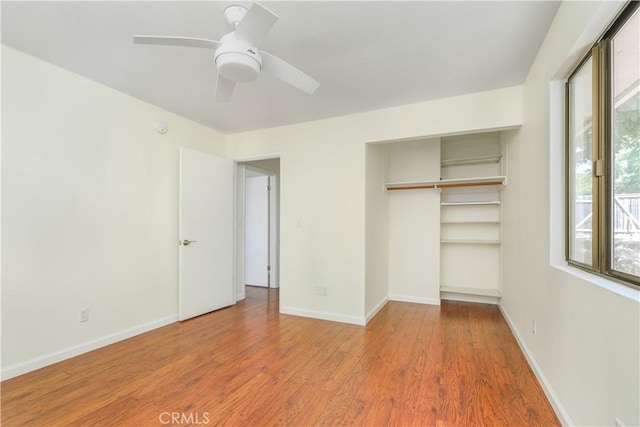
(257, 230)
(206, 233)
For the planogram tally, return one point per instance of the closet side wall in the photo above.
(376, 230)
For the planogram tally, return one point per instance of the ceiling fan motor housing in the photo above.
(238, 61)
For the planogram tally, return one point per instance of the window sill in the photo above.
(602, 282)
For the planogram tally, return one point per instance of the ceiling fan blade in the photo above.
(224, 89)
(287, 73)
(176, 41)
(255, 24)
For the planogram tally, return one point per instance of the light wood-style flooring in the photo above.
(248, 365)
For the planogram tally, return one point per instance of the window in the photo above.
(603, 154)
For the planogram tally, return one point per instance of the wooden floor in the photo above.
(247, 365)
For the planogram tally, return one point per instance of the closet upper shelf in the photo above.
(500, 181)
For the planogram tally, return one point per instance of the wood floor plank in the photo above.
(248, 365)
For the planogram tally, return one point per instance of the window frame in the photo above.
(602, 155)
(569, 168)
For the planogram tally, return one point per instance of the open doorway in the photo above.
(258, 239)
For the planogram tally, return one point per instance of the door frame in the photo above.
(239, 232)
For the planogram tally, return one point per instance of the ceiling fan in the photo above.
(237, 56)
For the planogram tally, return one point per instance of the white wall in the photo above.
(90, 212)
(323, 190)
(414, 246)
(467, 146)
(377, 229)
(414, 223)
(587, 343)
(89, 192)
(89, 195)
(272, 165)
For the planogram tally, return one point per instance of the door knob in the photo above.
(187, 242)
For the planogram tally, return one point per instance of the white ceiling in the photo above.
(366, 55)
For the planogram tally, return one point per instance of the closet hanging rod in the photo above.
(472, 160)
(445, 185)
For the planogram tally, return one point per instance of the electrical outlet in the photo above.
(84, 315)
(533, 327)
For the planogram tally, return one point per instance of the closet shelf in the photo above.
(471, 160)
(488, 202)
(470, 222)
(500, 181)
(471, 291)
(471, 242)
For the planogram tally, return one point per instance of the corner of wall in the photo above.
(560, 411)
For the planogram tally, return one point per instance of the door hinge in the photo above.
(268, 268)
(598, 167)
(268, 187)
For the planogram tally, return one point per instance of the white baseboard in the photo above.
(376, 309)
(323, 315)
(562, 414)
(418, 300)
(76, 350)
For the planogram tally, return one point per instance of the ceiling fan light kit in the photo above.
(237, 57)
(237, 67)
(237, 61)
